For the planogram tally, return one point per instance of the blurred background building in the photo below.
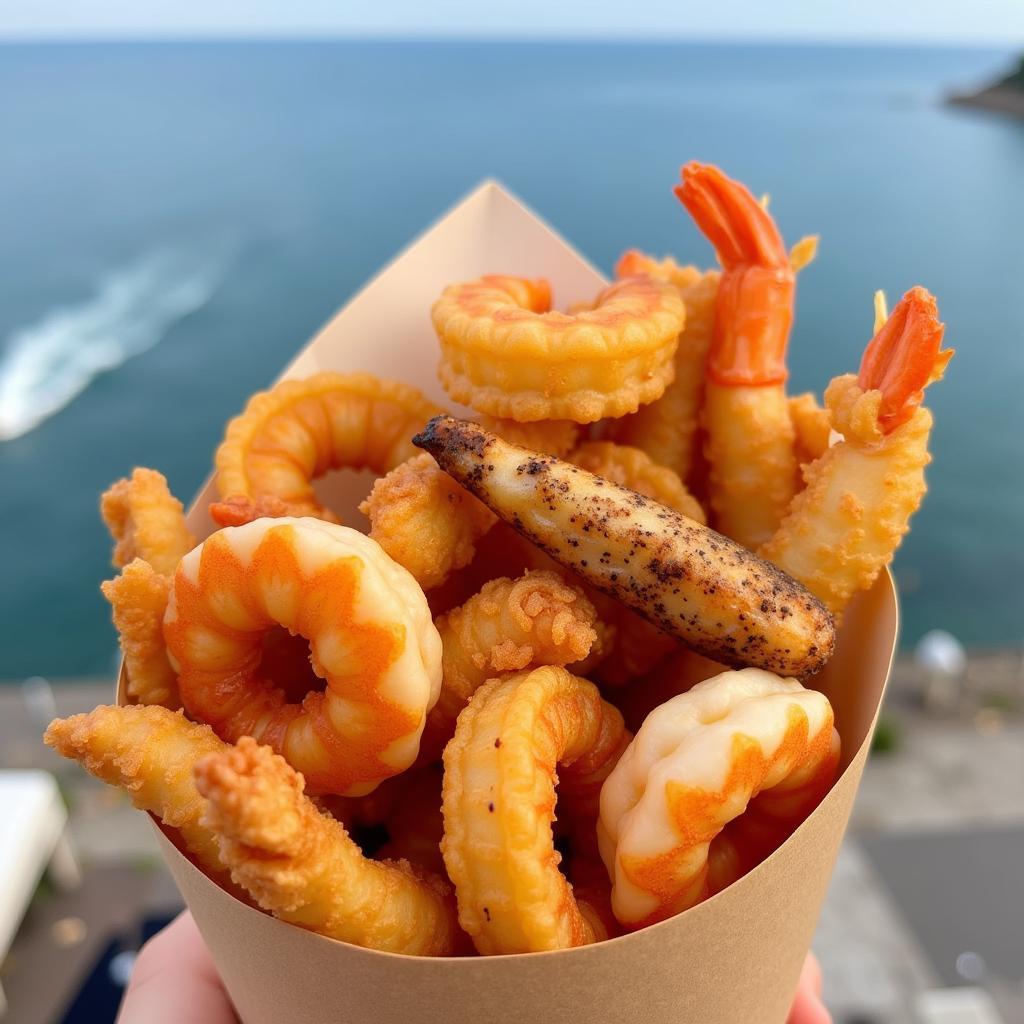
(189, 190)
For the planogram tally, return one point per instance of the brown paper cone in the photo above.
(734, 958)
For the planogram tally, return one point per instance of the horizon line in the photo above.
(651, 38)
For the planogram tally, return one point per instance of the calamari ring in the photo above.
(300, 429)
(715, 780)
(499, 803)
(370, 634)
(146, 521)
(507, 354)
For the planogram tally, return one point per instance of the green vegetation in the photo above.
(887, 736)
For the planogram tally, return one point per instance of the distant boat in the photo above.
(1005, 95)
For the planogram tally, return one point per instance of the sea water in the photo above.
(176, 219)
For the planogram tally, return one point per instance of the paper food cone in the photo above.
(734, 958)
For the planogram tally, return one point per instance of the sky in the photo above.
(997, 22)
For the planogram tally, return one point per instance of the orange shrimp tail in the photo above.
(904, 357)
(632, 262)
(754, 310)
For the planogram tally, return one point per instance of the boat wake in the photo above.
(47, 364)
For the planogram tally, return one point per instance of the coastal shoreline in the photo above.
(1001, 99)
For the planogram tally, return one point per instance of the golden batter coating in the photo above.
(507, 354)
(301, 864)
(138, 597)
(146, 521)
(149, 753)
(425, 521)
(518, 737)
(812, 427)
(667, 429)
(510, 625)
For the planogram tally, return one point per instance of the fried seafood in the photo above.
(716, 596)
(714, 780)
(510, 625)
(146, 521)
(297, 431)
(553, 437)
(370, 635)
(750, 438)
(302, 866)
(138, 597)
(517, 738)
(812, 428)
(425, 521)
(844, 526)
(667, 429)
(241, 509)
(633, 468)
(507, 354)
(149, 752)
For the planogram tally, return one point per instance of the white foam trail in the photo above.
(45, 365)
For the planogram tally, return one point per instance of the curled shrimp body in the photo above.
(714, 780)
(750, 437)
(299, 429)
(506, 353)
(845, 525)
(371, 640)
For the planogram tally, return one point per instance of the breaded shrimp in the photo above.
(510, 625)
(844, 527)
(138, 597)
(146, 521)
(425, 521)
(149, 753)
(750, 438)
(301, 864)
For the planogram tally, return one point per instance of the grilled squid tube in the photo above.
(718, 597)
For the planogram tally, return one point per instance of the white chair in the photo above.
(32, 840)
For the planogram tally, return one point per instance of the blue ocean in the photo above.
(177, 219)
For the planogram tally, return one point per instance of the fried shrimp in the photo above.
(517, 739)
(510, 625)
(714, 780)
(553, 437)
(812, 428)
(370, 635)
(750, 438)
(146, 521)
(507, 354)
(633, 468)
(844, 526)
(302, 866)
(425, 521)
(687, 580)
(667, 429)
(297, 431)
(138, 597)
(149, 752)
(239, 510)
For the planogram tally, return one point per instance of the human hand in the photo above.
(807, 1005)
(174, 980)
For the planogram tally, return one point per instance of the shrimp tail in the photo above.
(904, 357)
(755, 300)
